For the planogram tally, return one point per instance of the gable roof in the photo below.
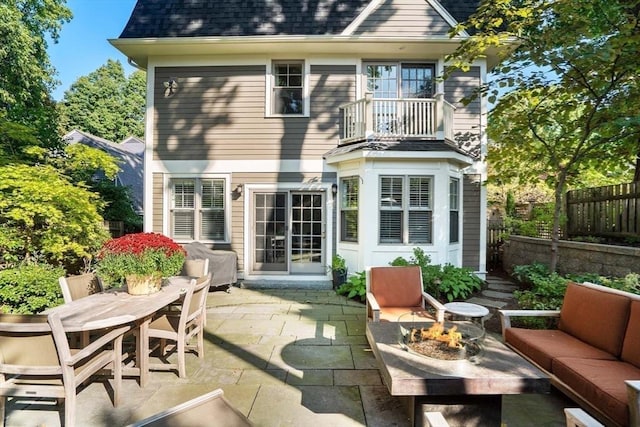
(129, 155)
(211, 18)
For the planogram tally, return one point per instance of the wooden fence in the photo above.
(610, 211)
(496, 231)
(116, 228)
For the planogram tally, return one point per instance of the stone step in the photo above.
(497, 295)
(487, 302)
(498, 280)
(502, 287)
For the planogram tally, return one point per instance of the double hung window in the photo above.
(454, 210)
(349, 208)
(405, 209)
(288, 88)
(198, 209)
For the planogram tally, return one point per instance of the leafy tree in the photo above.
(569, 70)
(44, 216)
(26, 74)
(106, 103)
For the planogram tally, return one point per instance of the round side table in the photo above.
(469, 310)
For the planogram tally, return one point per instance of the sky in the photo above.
(83, 47)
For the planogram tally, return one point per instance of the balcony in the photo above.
(379, 118)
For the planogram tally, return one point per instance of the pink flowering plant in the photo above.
(140, 254)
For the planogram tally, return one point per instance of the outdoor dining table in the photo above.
(115, 307)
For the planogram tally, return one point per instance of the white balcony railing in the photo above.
(397, 118)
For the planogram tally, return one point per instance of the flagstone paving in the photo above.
(283, 358)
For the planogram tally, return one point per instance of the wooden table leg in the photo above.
(142, 351)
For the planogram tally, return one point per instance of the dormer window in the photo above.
(288, 88)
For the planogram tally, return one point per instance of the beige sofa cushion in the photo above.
(596, 317)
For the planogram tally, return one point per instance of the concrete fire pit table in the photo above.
(468, 392)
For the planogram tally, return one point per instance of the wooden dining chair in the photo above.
(208, 409)
(80, 286)
(181, 326)
(394, 291)
(195, 267)
(36, 360)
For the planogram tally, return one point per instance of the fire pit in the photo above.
(444, 341)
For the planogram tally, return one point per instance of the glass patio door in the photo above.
(288, 232)
(270, 231)
(307, 233)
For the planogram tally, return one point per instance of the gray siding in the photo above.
(156, 207)
(466, 117)
(471, 222)
(219, 112)
(404, 18)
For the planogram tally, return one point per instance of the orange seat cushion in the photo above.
(600, 382)
(631, 346)
(396, 286)
(596, 317)
(393, 314)
(544, 345)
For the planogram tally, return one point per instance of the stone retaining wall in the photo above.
(573, 257)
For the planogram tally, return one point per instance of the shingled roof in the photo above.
(210, 18)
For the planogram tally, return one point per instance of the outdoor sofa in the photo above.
(594, 354)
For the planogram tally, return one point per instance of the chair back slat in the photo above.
(195, 267)
(80, 286)
(26, 340)
(199, 297)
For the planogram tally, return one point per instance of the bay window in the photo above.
(349, 208)
(454, 210)
(405, 209)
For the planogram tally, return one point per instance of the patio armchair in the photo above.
(394, 291)
(36, 360)
(181, 326)
(80, 286)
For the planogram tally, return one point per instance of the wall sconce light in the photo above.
(170, 86)
(237, 192)
(334, 189)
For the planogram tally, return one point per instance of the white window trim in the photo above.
(166, 208)
(269, 84)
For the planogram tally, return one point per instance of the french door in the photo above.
(288, 232)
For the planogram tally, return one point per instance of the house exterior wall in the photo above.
(219, 112)
(405, 17)
(216, 123)
(471, 202)
(467, 118)
(195, 136)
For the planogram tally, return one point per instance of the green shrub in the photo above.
(546, 290)
(442, 282)
(30, 288)
(355, 287)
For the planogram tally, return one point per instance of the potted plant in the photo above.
(339, 270)
(139, 260)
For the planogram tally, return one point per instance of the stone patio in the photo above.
(283, 358)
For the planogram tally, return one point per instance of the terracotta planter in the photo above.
(141, 284)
